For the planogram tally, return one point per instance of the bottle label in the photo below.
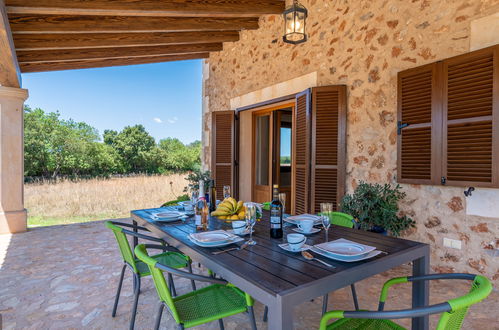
(198, 219)
(275, 218)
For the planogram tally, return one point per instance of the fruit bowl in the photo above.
(230, 210)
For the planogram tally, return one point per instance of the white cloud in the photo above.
(158, 120)
(172, 120)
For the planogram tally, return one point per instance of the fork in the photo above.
(232, 249)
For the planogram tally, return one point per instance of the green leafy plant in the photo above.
(181, 198)
(375, 205)
(194, 178)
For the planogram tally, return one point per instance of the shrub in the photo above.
(377, 205)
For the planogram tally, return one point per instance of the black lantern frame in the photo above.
(295, 17)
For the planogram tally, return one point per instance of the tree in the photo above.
(133, 144)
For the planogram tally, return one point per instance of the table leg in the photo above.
(135, 230)
(280, 316)
(421, 290)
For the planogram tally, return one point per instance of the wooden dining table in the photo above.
(283, 280)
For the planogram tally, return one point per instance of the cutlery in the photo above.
(232, 249)
(309, 256)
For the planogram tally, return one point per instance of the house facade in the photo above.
(361, 46)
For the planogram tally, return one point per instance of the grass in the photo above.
(67, 201)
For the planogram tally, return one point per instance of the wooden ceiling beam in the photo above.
(100, 24)
(96, 40)
(199, 8)
(87, 64)
(115, 52)
(9, 69)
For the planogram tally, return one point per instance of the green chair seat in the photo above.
(367, 324)
(208, 304)
(171, 259)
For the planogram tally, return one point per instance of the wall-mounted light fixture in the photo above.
(295, 17)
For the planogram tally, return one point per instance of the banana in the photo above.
(217, 213)
(233, 217)
(233, 202)
(223, 208)
(239, 206)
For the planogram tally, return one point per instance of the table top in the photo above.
(276, 271)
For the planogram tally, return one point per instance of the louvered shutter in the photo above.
(328, 148)
(471, 119)
(223, 155)
(419, 126)
(301, 152)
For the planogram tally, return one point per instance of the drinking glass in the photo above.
(326, 209)
(194, 196)
(226, 191)
(250, 220)
(282, 199)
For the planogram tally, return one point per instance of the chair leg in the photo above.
(324, 303)
(354, 296)
(136, 300)
(265, 314)
(251, 314)
(221, 323)
(118, 291)
(158, 316)
(171, 285)
(192, 281)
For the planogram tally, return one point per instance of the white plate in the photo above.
(185, 203)
(167, 215)
(345, 259)
(246, 232)
(296, 218)
(313, 231)
(285, 246)
(236, 240)
(213, 237)
(345, 248)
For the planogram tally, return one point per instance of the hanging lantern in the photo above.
(294, 23)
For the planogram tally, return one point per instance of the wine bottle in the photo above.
(201, 209)
(212, 196)
(276, 214)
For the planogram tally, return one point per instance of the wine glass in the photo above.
(194, 196)
(226, 191)
(326, 209)
(282, 199)
(250, 220)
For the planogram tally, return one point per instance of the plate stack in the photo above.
(295, 219)
(345, 250)
(216, 238)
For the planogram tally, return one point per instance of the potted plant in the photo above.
(375, 207)
(194, 177)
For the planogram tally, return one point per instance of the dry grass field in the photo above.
(97, 199)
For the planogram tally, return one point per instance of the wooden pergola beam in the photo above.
(200, 8)
(118, 52)
(99, 63)
(96, 40)
(99, 24)
(10, 75)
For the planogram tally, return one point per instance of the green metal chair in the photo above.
(453, 311)
(343, 220)
(169, 256)
(211, 303)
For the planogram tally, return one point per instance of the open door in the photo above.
(224, 152)
(263, 130)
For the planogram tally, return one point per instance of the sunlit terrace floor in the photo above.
(65, 277)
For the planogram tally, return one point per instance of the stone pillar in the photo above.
(13, 215)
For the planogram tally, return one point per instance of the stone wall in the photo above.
(363, 44)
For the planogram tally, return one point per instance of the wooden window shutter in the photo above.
(471, 119)
(301, 152)
(419, 125)
(223, 151)
(328, 146)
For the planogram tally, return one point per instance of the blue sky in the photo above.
(164, 97)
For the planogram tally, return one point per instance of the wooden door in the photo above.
(301, 152)
(262, 156)
(328, 146)
(223, 153)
